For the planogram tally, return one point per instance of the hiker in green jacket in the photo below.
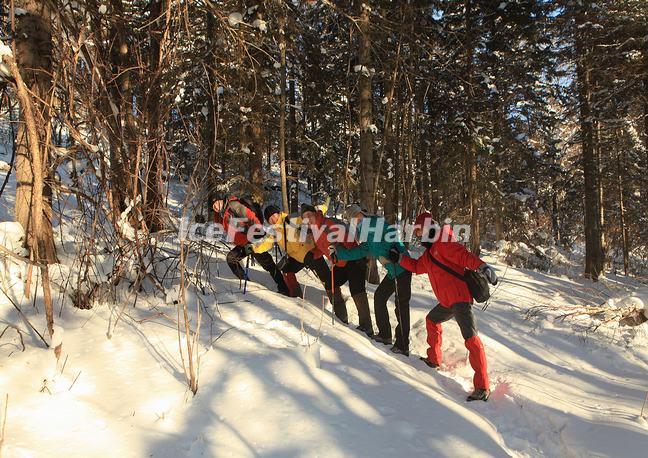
(376, 238)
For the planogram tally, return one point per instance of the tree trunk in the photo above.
(211, 128)
(117, 104)
(624, 229)
(282, 115)
(398, 166)
(599, 183)
(33, 206)
(645, 107)
(555, 218)
(421, 163)
(390, 203)
(471, 163)
(294, 159)
(366, 135)
(593, 241)
(255, 100)
(155, 146)
(424, 155)
(256, 159)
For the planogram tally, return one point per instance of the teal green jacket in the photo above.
(377, 246)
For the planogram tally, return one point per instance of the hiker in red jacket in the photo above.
(355, 272)
(238, 218)
(453, 295)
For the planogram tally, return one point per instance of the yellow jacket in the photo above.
(293, 246)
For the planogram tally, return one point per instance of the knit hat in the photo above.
(307, 208)
(426, 222)
(269, 211)
(352, 210)
(423, 218)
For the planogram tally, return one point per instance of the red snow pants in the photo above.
(462, 313)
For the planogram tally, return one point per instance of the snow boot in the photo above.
(429, 363)
(283, 290)
(339, 305)
(294, 288)
(364, 315)
(369, 331)
(383, 340)
(480, 394)
(399, 351)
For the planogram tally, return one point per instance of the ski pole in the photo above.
(247, 270)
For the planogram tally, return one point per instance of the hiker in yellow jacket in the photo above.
(297, 250)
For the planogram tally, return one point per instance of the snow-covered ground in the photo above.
(556, 391)
(278, 378)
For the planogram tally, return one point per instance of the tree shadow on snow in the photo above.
(362, 401)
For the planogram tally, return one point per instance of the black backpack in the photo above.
(476, 281)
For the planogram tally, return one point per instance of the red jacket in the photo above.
(447, 288)
(321, 237)
(235, 209)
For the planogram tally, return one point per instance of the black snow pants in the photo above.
(354, 272)
(265, 260)
(318, 266)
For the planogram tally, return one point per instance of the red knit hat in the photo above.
(422, 218)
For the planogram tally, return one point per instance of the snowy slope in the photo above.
(556, 392)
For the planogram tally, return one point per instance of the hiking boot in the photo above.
(362, 306)
(369, 332)
(480, 394)
(399, 351)
(296, 292)
(383, 340)
(429, 363)
(339, 305)
(284, 291)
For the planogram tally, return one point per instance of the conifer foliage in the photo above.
(526, 119)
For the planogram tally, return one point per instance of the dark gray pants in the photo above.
(462, 313)
(403, 286)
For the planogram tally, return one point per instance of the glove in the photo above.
(248, 249)
(489, 273)
(333, 253)
(394, 255)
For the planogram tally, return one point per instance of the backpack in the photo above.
(476, 281)
(255, 207)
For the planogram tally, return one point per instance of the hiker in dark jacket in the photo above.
(238, 218)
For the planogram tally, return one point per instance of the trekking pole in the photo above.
(332, 293)
(217, 265)
(398, 304)
(398, 310)
(247, 270)
(501, 280)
